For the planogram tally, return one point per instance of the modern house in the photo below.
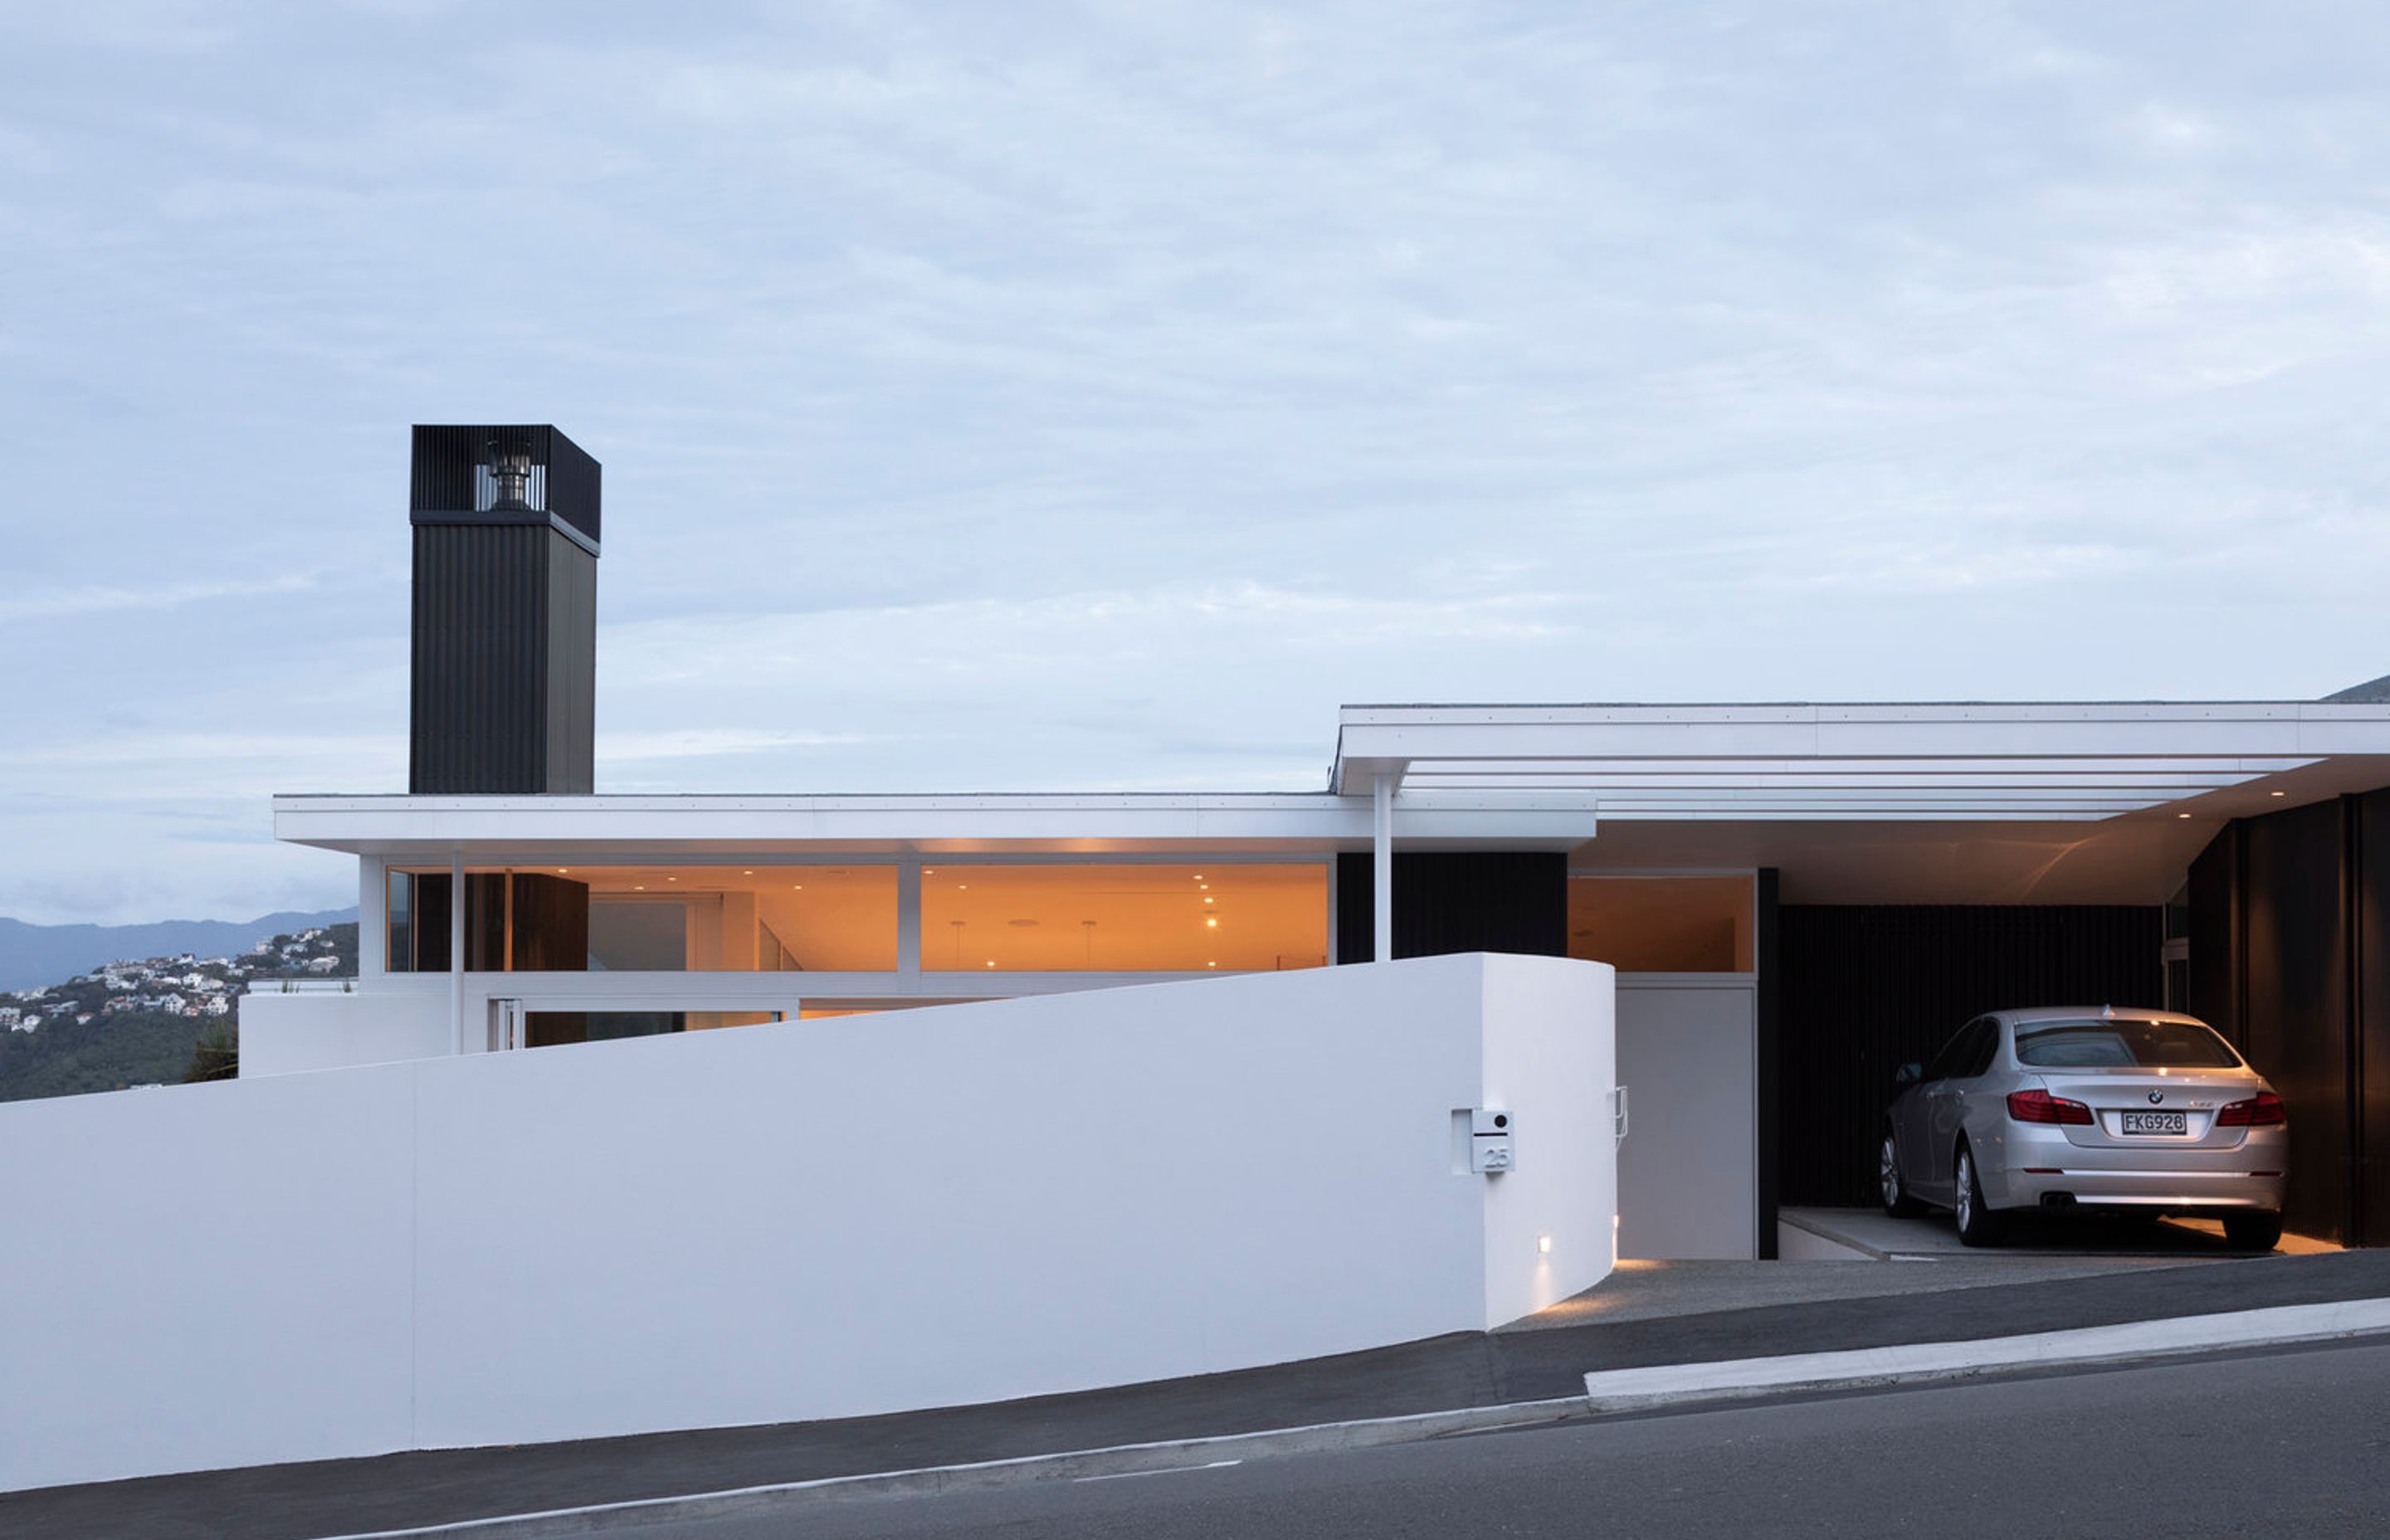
(651, 1112)
(1797, 898)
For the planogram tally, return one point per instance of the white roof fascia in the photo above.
(943, 824)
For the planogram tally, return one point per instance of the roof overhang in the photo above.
(1971, 763)
(656, 826)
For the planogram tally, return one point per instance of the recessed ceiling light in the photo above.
(991, 962)
(2280, 793)
(928, 871)
(1212, 921)
(2182, 814)
(638, 887)
(749, 872)
(561, 870)
(797, 887)
(1211, 965)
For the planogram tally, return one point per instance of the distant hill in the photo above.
(31, 956)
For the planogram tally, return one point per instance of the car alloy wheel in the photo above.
(1965, 1208)
(1888, 1172)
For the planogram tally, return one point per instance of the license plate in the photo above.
(2156, 1122)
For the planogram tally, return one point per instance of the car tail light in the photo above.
(2262, 1111)
(2041, 1107)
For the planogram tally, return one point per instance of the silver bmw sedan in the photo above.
(2141, 1111)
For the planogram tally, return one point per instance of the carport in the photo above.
(1907, 866)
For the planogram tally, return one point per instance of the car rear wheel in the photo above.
(1978, 1226)
(1896, 1201)
(2253, 1231)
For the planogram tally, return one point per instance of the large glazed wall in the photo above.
(1863, 989)
(821, 1219)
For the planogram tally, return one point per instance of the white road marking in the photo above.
(1170, 1471)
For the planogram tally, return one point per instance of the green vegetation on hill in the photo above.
(141, 1022)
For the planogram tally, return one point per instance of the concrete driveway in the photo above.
(1850, 1234)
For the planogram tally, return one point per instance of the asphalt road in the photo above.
(2295, 1443)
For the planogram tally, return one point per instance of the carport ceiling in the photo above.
(1959, 761)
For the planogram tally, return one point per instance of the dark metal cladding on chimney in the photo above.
(506, 474)
(505, 651)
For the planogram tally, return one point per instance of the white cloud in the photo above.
(1049, 396)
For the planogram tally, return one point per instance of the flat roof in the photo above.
(1983, 802)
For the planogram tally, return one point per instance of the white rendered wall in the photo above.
(284, 1034)
(1556, 1085)
(1689, 1172)
(850, 1215)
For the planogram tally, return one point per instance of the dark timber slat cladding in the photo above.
(1864, 989)
(2290, 954)
(1460, 901)
(2370, 1010)
(482, 663)
(1767, 1024)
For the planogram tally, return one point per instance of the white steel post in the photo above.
(456, 949)
(373, 916)
(908, 922)
(1381, 889)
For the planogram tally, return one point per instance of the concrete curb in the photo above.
(1127, 1459)
(2282, 1325)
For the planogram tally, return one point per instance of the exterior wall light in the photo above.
(1543, 1245)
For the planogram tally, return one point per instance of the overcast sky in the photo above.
(1029, 396)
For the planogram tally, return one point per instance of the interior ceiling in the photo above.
(2137, 860)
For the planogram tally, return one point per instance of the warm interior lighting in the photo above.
(2276, 794)
(1543, 1245)
(561, 870)
(1140, 913)
(639, 888)
(2182, 814)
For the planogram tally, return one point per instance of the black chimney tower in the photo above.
(506, 612)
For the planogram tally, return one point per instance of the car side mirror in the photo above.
(1907, 1076)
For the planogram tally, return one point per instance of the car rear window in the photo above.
(2124, 1045)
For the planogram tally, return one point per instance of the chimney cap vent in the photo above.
(506, 473)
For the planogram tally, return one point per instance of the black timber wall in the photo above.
(1860, 990)
(1460, 901)
(2289, 958)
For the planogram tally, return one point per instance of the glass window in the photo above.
(1663, 924)
(1950, 1063)
(2124, 1045)
(1130, 917)
(663, 919)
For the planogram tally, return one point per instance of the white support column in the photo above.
(1381, 843)
(908, 922)
(457, 950)
(373, 917)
